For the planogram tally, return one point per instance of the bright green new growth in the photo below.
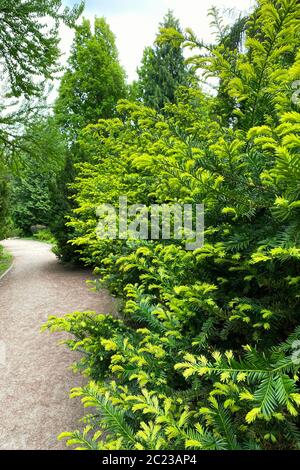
(206, 355)
(28, 46)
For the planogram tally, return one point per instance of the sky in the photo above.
(135, 23)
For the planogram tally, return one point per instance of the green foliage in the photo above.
(5, 260)
(163, 69)
(29, 54)
(204, 353)
(41, 158)
(31, 201)
(4, 202)
(94, 80)
(28, 47)
(45, 235)
(90, 89)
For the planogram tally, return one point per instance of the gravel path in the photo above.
(35, 379)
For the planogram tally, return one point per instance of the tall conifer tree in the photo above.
(163, 69)
(90, 89)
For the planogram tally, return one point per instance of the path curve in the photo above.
(35, 378)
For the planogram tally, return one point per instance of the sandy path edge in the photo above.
(35, 378)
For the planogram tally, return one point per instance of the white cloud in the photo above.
(135, 22)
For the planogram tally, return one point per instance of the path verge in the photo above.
(6, 262)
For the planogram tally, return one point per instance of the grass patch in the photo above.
(5, 260)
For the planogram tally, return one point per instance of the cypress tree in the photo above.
(163, 69)
(90, 89)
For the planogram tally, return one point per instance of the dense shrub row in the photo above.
(204, 354)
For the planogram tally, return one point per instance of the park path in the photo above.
(35, 378)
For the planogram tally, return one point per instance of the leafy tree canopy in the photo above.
(29, 40)
(41, 158)
(204, 353)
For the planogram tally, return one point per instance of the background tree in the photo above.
(29, 52)
(28, 46)
(93, 82)
(4, 201)
(90, 89)
(163, 69)
(34, 187)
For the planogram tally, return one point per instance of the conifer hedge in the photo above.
(204, 352)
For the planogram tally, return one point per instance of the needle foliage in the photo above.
(204, 353)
